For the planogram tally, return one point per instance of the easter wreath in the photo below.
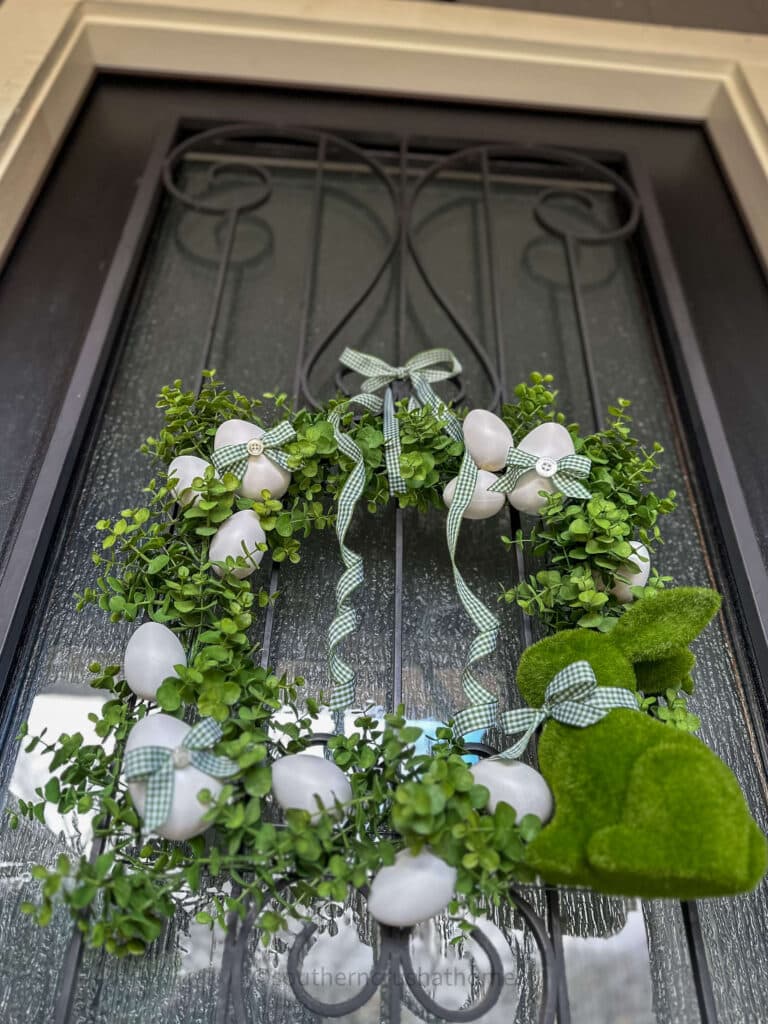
(202, 785)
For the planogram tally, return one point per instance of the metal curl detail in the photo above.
(556, 159)
(467, 335)
(403, 224)
(393, 963)
(543, 216)
(198, 202)
(471, 1013)
(233, 207)
(313, 356)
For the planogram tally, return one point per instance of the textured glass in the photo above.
(297, 265)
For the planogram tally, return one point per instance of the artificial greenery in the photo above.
(429, 457)
(278, 863)
(674, 711)
(153, 564)
(584, 546)
(640, 807)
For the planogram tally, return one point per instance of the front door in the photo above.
(520, 242)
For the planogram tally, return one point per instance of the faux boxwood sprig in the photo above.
(582, 547)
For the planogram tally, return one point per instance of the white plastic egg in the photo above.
(238, 536)
(516, 784)
(261, 474)
(484, 503)
(413, 889)
(635, 575)
(151, 654)
(488, 439)
(185, 469)
(186, 817)
(298, 778)
(550, 442)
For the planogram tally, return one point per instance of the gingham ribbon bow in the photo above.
(422, 371)
(157, 765)
(573, 698)
(233, 458)
(483, 709)
(565, 473)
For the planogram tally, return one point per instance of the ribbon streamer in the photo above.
(233, 458)
(573, 698)
(157, 765)
(569, 470)
(483, 709)
(421, 371)
(392, 447)
(345, 621)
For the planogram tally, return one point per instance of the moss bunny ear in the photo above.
(541, 662)
(658, 627)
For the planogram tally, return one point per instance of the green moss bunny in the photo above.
(641, 809)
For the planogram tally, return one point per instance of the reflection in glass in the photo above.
(264, 304)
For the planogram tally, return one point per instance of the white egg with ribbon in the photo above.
(484, 503)
(254, 455)
(544, 461)
(167, 764)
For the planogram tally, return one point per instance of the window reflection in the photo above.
(54, 712)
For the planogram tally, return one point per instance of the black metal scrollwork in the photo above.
(393, 965)
(240, 146)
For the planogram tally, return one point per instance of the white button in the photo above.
(255, 446)
(181, 758)
(546, 467)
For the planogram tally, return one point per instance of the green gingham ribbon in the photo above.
(233, 458)
(573, 698)
(422, 371)
(570, 469)
(392, 447)
(157, 765)
(483, 709)
(345, 621)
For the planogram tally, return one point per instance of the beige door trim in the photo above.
(391, 47)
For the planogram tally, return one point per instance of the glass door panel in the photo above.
(390, 247)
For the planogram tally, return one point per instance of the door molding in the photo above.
(428, 50)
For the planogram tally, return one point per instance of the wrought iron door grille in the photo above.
(581, 214)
